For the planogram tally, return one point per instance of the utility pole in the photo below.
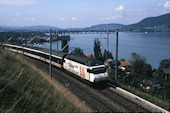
(116, 55)
(107, 39)
(165, 92)
(22, 43)
(57, 39)
(50, 56)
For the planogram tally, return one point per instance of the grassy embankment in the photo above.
(150, 98)
(23, 89)
(147, 96)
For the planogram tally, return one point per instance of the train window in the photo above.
(99, 70)
(88, 70)
(39, 54)
(45, 56)
(27, 51)
(59, 61)
(13, 47)
(56, 60)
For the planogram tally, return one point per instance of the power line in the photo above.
(144, 42)
(75, 43)
(146, 47)
(124, 40)
(151, 53)
(155, 48)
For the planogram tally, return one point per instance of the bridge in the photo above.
(84, 31)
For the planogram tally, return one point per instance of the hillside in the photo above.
(105, 27)
(24, 89)
(29, 28)
(151, 24)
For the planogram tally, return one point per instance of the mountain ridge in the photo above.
(151, 24)
(111, 26)
(37, 27)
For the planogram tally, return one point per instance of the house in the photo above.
(148, 84)
(166, 72)
(89, 56)
(125, 65)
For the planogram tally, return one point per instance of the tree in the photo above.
(107, 55)
(160, 74)
(147, 70)
(98, 54)
(165, 63)
(122, 59)
(77, 51)
(139, 66)
(136, 57)
(97, 50)
(2, 39)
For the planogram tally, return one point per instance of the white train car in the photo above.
(88, 69)
(38, 54)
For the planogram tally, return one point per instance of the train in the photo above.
(90, 70)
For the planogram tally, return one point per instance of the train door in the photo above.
(82, 72)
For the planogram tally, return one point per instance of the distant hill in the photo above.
(151, 24)
(74, 29)
(40, 28)
(30, 28)
(112, 26)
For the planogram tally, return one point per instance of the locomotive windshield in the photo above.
(98, 70)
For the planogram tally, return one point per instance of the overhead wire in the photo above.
(144, 42)
(146, 47)
(132, 41)
(164, 43)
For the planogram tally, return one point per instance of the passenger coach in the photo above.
(89, 69)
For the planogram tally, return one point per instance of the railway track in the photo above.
(82, 91)
(78, 88)
(128, 105)
(97, 99)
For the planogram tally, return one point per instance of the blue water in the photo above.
(153, 46)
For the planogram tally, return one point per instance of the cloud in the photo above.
(112, 17)
(18, 14)
(18, 2)
(75, 19)
(167, 4)
(120, 8)
(62, 19)
(29, 19)
(159, 4)
(14, 19)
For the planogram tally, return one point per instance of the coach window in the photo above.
(99, 70)
(88, 70)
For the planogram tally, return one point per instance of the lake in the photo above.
(153, 46)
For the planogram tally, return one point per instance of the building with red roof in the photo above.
(125, 65)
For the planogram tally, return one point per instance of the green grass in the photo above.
(22, 89)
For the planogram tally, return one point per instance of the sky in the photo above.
(78, 13)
